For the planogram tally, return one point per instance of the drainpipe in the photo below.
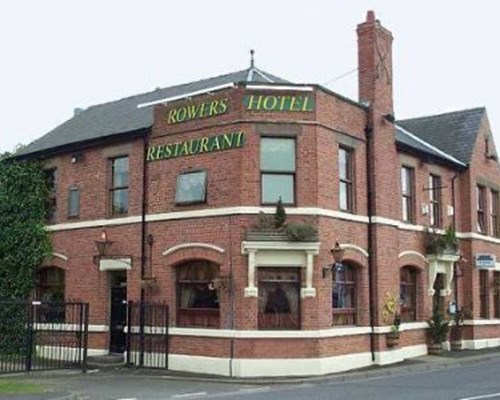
(143, 213)
(231, 294)
(143, 248)
(371, 239)
(454, 222)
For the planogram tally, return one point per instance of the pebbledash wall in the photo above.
(181, 189)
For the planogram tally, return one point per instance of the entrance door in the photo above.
(437, 299)
(118, 317)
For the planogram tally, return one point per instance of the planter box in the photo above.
(274, 236)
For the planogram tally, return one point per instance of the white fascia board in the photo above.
(280, 87)
(190, 94)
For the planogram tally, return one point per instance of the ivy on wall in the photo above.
(24, 242)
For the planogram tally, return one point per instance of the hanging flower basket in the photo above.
(392, 339)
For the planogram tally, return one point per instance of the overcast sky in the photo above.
(56, 55)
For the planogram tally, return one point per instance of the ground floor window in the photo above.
(197, 299)
(50, 292)
(344, 294)
(497, 294)
(408, 294)
(484, 306)
(279, 298)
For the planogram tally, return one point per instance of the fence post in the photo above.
(166, 335)
(129, 332)
(85, 336)
(141, 333)
(29, 344)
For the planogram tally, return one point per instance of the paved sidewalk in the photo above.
(65, 381)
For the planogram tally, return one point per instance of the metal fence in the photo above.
(147, 335)
(43, 336)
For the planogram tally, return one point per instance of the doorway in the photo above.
(438, 299)
(118, 314)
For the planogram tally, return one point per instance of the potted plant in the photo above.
(450, 240)
(276, 228)
(456, 330)
(391, 316)
(437, 243)
(437, 330)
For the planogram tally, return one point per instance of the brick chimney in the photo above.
(375, 88)
(375, 64)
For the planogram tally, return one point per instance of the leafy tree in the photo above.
(24, 242)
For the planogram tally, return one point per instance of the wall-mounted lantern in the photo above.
(102, 246)
(337, 253)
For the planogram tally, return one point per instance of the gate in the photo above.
(43, 336)
(147, 335)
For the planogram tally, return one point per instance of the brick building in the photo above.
(160, 197)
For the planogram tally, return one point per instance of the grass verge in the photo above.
(8, 386)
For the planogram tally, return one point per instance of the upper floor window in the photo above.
(119, 185)
(344, 294)
(277, 168)
(495, 206)
(481, 207)
(408, 294)
(435, 200)
(407, 193)
(74, 202)
(51, 179)
(346, 175)
(191, 187)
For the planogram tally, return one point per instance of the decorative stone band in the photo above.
(226, 211)
(296, 334)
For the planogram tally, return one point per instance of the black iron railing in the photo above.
(147, 335)
(43, 336)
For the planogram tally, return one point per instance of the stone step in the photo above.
(106, 361)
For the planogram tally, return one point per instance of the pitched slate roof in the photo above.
(123, 116)
(410, 142)
(453, 133)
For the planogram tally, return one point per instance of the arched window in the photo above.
(344, 294)
(408, 294)
(50, 285)
(50, 292)
(197, 298)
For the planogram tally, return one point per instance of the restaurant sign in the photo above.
(207, 144)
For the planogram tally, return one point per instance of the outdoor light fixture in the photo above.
(102, 246)
(337, 253)
(389, 118)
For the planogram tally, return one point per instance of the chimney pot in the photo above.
(370, 16)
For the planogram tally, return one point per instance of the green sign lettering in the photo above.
(194, 111)
(259, 102)
(207, 144)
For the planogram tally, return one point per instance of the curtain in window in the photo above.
(279, 294)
